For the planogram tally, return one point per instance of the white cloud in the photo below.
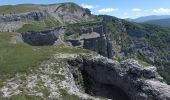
(136, 9)
(88, 6)
(107, 10)
(161, 10)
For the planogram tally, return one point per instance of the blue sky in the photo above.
(118, 8)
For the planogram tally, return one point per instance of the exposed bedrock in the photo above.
(94, 38)
(100, 45)
(48, 37)
(13, 22)
(129, 80)
(36, 15)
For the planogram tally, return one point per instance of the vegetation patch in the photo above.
(143, 63)
(24, 97)
(46, 92)
(121, 38)
(59, 76)
(1, 83)
(15, 9)
(15, 58)
(67, 96)
(143, 59)
(39, 25)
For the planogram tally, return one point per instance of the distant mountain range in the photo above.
(163, 20)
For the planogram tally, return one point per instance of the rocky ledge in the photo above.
(36, 15)
(128, 80)
(94, 38)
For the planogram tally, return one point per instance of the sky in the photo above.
(118, 8)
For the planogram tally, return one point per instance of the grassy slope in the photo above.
(19, 58)
(9, 9)
(29, 25)
(16, 58)
(39, 25)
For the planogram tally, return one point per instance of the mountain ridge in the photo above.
(151, 17)
(162, 22)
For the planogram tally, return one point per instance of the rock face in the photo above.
(68, 12)
(23, 16)
(42, 38)
(129, 80)
(12, 22)
(101, 44)
(94, 38)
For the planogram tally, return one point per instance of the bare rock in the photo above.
(128, 80)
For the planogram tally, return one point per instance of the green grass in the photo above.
(67, 96)
(1, 83)
(143, 59)
(59, 76)
(10, 9)
(143, 63)
(38, 25)
(25, 97)
(32, 27)
(16, 58)
(72, 50)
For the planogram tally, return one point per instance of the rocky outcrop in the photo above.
(100, 45)
(129, 80)
(43, 37)
(94, 38)
(12, 22)
(68, 12)
(23, 16)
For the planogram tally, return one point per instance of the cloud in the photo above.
(88, 6)
(161, 10)
(107, 10)
(136, 9)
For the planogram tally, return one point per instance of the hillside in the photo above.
(62, 51)
(28, 17)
